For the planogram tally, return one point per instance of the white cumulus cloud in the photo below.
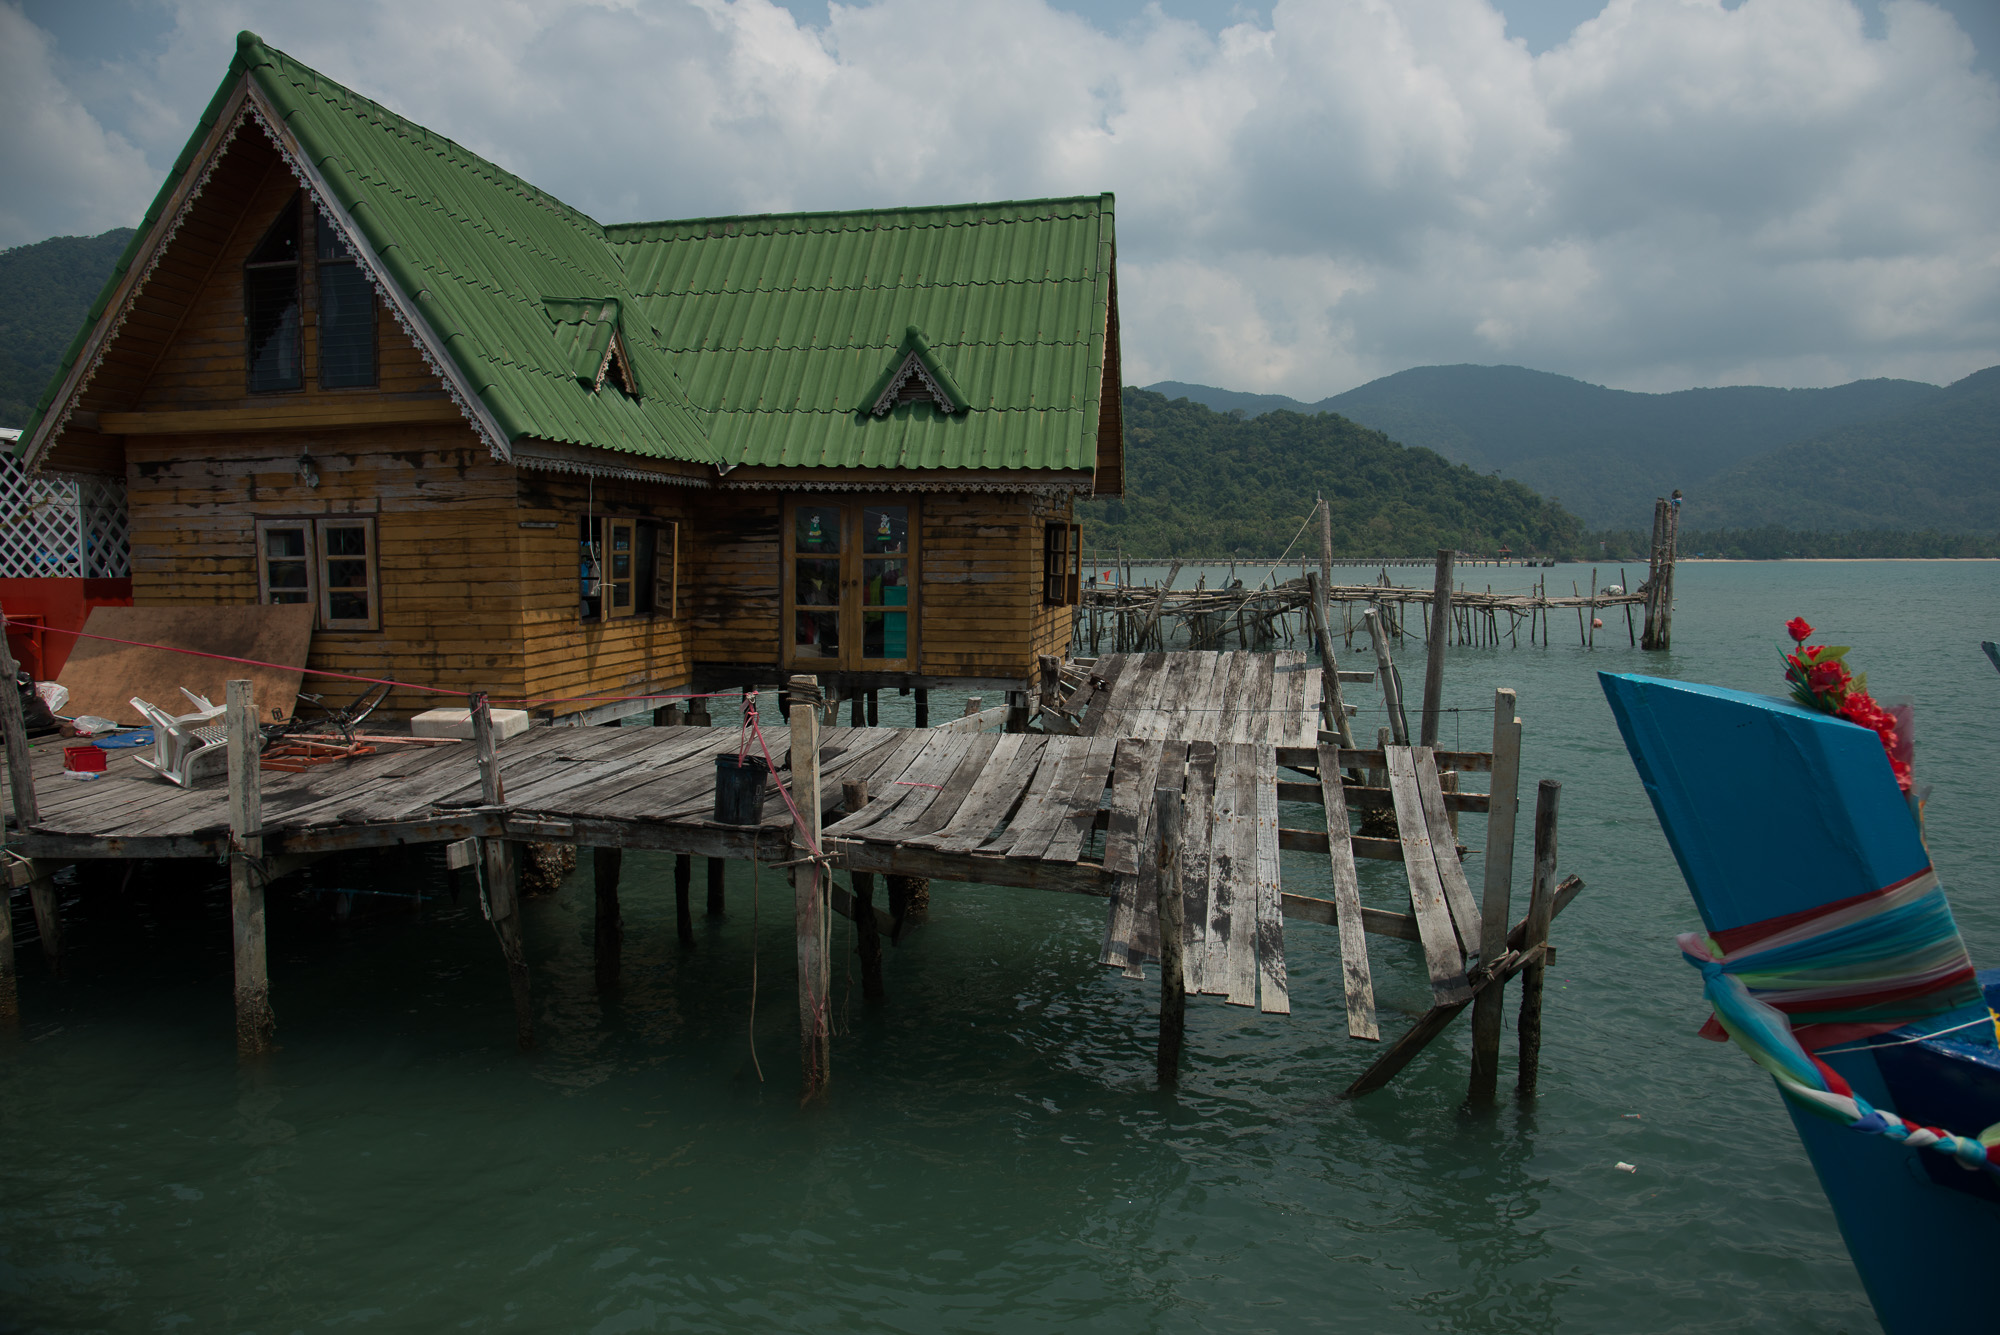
(1681, 193)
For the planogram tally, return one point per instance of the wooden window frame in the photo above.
(609, 584)
(297, 267)
(1062, 563)
(319, 595)
(348, 260)
(852, 506)
(265, 526)
(666, 568)
(324, 525)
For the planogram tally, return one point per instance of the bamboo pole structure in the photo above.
(1385, 671)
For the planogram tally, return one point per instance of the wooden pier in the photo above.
(1220, 742)
(1129, 616)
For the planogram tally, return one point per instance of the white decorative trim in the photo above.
(912, 365)
(1056, 487)
(365, 257)
(526, 456)
(50, 435)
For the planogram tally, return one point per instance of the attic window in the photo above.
(616, 370)
(916, 376)
(913, 383)
(271, 306)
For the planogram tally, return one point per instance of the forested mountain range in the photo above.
(1606, 453)
(45, 291)
(1204, 483)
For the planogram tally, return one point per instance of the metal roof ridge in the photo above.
(612, 229)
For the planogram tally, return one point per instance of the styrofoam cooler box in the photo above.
(458, 723)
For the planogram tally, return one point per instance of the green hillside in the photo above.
(1604, 453)
(1936, 466)
(1205, 483)
(45, 291)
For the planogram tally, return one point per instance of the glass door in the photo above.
(849, 601)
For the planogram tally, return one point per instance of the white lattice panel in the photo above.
(61, 527)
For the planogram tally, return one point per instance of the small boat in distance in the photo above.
(1831, 956)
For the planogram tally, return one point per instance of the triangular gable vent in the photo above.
(617, 368)
(917, 377)
(589, 335)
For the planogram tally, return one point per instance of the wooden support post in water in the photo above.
(812, 911)
(1496, 905)
(255, 1025)
(1017, 711)
(1333, 706)
(874, 712)
(683, 897)
(867, 936)
(14, 731)
(608, 941)
(1385, 672)
(1434, 664)
(715, 873)
(1173, 970)
(857, 711)
(1541, 900)
(923, 707)
(667, 716)
(503, 904)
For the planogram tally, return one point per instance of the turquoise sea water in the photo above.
(992, 1155)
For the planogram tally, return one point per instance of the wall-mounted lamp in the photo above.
(307, 473)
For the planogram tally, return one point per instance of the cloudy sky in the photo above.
(1651, 194)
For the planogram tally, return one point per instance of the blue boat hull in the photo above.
(1772, 810)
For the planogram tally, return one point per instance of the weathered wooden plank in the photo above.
(1236, 771)
(1136, 689)
(1086, 798)
(1442, 957)
(1195, 885)
(1357, 981)
(1144, 941)
(1132, 774)
(1273, 988)
(999, 786)
(1444, 846)
(947, 799)
(899, 778)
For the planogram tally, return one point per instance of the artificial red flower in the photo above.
(1798, 629)
(1828, 676)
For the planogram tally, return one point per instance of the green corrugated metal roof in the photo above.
(783, 325)
(754, 340)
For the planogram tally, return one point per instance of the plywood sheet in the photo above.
(103, 676)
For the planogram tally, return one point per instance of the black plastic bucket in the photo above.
(739, 789)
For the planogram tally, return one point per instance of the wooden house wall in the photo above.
(981, 561)
(564, 656)
(448, 546)
(731, 588)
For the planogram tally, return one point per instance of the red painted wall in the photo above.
(49, 606)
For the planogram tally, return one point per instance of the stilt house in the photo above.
(498, 445)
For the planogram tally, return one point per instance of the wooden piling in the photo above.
(503, 903)
(667, 716)
(867, 937)
(683, 896)
(1173, 969)
(1496, 905)
(874, 711)
(857, 711)
(715, 873)
(14, 730)
(1541, 900)
(255, 1025)
(608, 940)
(1434, 663)
(1333, 706)
(812, 912)
(1385, 673)
(923, 707)
(48, 921)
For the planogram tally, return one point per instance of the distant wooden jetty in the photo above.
(1130, 615)
(1156, 785)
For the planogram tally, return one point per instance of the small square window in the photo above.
(328, 564)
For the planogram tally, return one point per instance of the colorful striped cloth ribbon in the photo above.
(1857, 967)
